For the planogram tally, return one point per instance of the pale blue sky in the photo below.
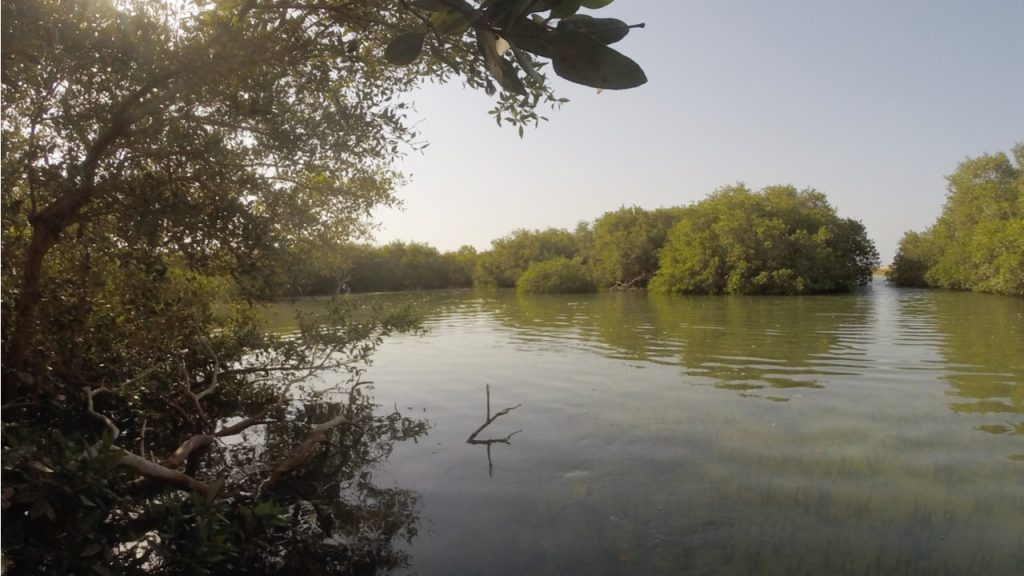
(871, 102)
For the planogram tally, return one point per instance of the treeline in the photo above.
(977, 243)
(777, 241)
(393, 267)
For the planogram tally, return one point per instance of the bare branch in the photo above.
(472, 437)
(240, 427)
(142, 438)
(257, 418)
(89, 395)
(164, 475)
(182, 454)
(214, 383)
(186, 385)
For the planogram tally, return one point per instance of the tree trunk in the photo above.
(27, 304)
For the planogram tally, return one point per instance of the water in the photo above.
(880, 432)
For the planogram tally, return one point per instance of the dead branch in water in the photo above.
(472, 437)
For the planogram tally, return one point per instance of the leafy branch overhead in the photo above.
(511, 35)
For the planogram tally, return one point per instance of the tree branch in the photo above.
(309, 447)
(163, 472)
(164, 475)
(182, 454)
(107, 422)
(472, 437)
(214, 383)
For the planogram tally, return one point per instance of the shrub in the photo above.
(556, 276)
(777, 241)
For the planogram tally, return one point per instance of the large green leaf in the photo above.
(501, 69)
(449, 22)
(405, 48)
(564, 8)
(595, 4)
(604, 30)
(532, 36)
(503, 12)
(581, 59)
(524, 62)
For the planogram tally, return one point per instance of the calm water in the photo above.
(874, 433)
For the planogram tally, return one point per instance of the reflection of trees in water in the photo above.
(756, 343)
(742, 343)
(618, 322)
(328, 517)
(984, 348)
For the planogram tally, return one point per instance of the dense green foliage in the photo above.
(556, 276)
(777, 241)
(396, 266)
(626, 244)
(511, 255)
(977, 243)
(164, 166)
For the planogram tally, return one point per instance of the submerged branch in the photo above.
(472, 437)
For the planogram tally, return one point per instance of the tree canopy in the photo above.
(167, 165)
(626, 244)
(977, 243)
(777, 241)
(556, 276)
(511, 255)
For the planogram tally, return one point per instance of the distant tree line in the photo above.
(977, 243)
(777, 241)
(353, 267)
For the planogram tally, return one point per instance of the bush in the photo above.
(777, 241)
(556, 276)
(510, 256)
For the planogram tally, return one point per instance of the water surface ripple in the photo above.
(880, 432)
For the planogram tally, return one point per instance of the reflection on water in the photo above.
(740, 343)
(983, 346)
(896, 447)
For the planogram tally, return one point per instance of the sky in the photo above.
(872, 102)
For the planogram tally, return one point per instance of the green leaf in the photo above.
(264, 509)
(405, 48)
(524, 62)
(564, 8)
(583, 60)
(502, 12)
(501, 69)
(42, 507)
(604, 30)
(595, 4)
(531, 36)
(449, 22)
